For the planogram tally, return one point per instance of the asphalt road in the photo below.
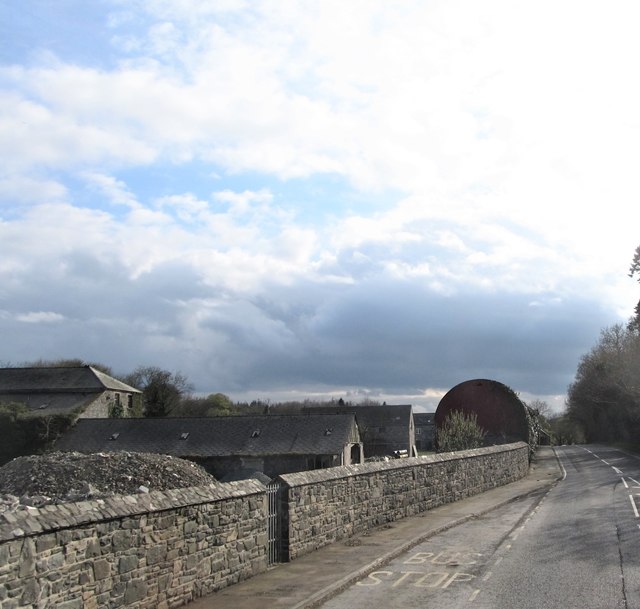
(576, 547)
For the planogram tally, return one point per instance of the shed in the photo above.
(226, 445)
(500, 413)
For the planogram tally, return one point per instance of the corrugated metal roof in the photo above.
(214, 436)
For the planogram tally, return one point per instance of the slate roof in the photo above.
(387, 415)
(57, 390)
(77, 378)
(325, 434)
(422, 419)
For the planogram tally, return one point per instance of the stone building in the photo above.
(425, 430)
(79, 390)
(386, 430)
(231, 446)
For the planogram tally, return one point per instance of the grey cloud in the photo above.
(384, 334)
(399, 337)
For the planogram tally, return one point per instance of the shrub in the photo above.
(460, 431)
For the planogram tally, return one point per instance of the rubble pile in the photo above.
(59, 477)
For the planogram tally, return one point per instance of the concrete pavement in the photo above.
(314, 578)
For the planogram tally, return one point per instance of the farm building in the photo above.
(500, 413)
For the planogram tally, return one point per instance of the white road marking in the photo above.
(564, 471)
(474, 594)
(605, 462)
(633, 505)
(634, 481)
(487, 577)
(625, 483)
(617, 471)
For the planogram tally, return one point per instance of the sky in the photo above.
(292, 199)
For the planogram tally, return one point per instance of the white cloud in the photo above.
(477, 151)
(22, 188)
(112, 189)
(38, 317)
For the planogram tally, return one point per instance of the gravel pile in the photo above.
(62, 477)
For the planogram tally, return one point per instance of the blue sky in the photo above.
(296, 199)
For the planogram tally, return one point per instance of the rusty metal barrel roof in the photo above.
(501, 414)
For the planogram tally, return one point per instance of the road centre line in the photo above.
(605, 462)
(624, 482)
(634, 506)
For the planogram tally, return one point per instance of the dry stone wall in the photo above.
(324, 506)
(166, 548)
(157, 550)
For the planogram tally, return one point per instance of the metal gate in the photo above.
(274, 523)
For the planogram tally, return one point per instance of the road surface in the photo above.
(574, 547)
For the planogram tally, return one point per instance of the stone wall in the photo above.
(156, 550)
(163, 549)
(99, 407)
(324, 506)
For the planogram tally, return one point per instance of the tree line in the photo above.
(603, 402)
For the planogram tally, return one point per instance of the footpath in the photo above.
(309, 581)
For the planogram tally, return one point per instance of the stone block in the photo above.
(27, 559)
(30, 591)
(75, 603)
(121, 541)
(127, 563)
(45, 542)
(101, 569)
(136, 590)
(190, 527)
(156, 554)
(93, 549)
